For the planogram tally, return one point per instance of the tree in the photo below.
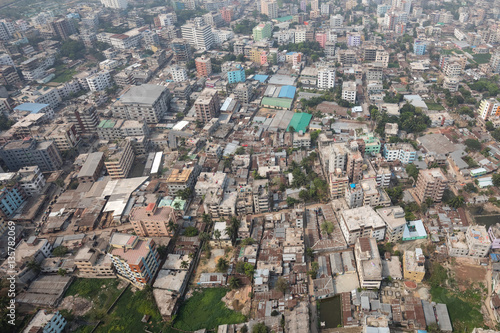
(291, 201)
(412, 171)
(172, 226)
(62, 272)
(249, 270)
(327, 227)
(34, 265)
(310, 252)
(5, 123)
(469, 187)
(207, 219)
(313, 272)
(184, 264)
(259, 328)
(234, 282)
(222, 265)
(185, 193)
(457, 201)
(496, 179)
(191, 232)
(291, 129)
(248, 241)
(473, 144)
(217, 236)
(282, 285)
(304, 195)
(162, 251)
(60, 251)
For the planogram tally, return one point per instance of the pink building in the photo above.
(321, 39)
(263, 58)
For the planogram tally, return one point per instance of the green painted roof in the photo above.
(285, 18)
(106, 124)
(277, 102)
(300, 121)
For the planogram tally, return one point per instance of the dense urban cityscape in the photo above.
(250, 166)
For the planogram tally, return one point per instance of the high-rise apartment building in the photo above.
(119, 159)
(326, 77)
(349, 91)
(489, 108)
(198, 34)
(269, 8)
(182, 50)
(207, 105)
(135, 258)
(116, 4)
(203, 66)
(83, 116)
(148, 102)
(262, 31)
(431, 183)
(20, 153)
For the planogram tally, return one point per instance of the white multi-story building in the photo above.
(147, 102)
(284, 36)
(404, 152)
(336, 21)
(32, 180)
(394, 219)
(116, 4)
(488, 108)
(167, 19)
(198, 34)
(361, 222)
(326, 78)
(349, 91)
(99, 81)
(179, 74)
(478, 241)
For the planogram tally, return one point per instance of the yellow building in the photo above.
(414, 265)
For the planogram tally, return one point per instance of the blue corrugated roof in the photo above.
(261, 78)
(287, 92)
(291, 53)
(31, 107)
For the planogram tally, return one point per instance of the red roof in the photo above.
(150, 207)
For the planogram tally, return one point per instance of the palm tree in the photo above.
(234, 282)
(204, 236)
(35, 266)
(184, 264)
(207, 219)
(217, 236)
(457, 202)
(172, 226)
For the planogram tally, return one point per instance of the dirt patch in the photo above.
(208, 265)
(410, 285)
(467, 273)
(239, 300)
(77, 305)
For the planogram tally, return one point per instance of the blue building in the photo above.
(236, 75)
(11, 198)
(419, 47)
(46, 322)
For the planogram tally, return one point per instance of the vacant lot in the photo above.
(125, 316)
(464, 307)
(482, 58)
(205, 309)
(467, 274)
(434, 106)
